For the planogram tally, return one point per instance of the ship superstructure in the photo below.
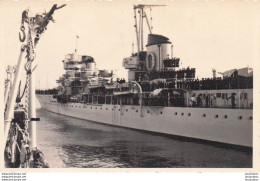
(159, 96)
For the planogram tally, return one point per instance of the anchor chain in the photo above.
(28, 67)
(26, 94)
(30, 48)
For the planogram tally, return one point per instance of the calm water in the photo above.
(70, 142)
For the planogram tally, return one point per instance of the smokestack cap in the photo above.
(154, 39)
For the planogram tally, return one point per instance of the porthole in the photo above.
(216, 116)
(225, 116)
(182, 114)
(176, 113)
(204, 115)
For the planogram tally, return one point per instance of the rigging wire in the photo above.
(23, 91)
(151, 18)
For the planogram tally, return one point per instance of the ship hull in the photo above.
(231, 126)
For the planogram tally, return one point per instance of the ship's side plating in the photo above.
(232, 126)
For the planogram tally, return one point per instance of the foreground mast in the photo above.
(20, 121)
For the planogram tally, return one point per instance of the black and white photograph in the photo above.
(128, 84)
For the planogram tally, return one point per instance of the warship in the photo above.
(158, 96)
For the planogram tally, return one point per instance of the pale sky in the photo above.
(205, 34)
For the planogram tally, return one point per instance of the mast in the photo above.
(150, 28)
(142, 30)
(28, 145)
(140, 34)
(77, 37)
(137, 33)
